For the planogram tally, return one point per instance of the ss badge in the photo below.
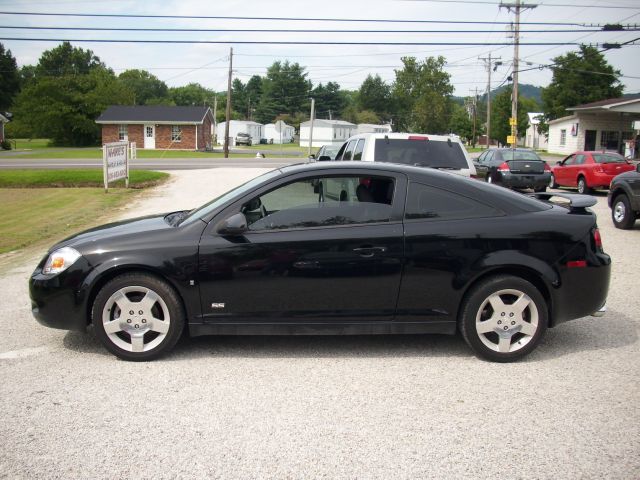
(217, 305)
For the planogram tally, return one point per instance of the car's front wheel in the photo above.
(552, 182)
(621, 213)
(138, 316)
(503, 318)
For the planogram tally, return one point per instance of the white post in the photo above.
(104, 168)
(313, 107)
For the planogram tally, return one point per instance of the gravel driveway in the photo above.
(322, 407)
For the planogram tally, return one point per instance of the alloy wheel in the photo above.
(136, 319)
(507, 321)
(619, 211)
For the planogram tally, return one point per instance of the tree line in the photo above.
(61, 96)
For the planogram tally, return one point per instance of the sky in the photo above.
(349, 65)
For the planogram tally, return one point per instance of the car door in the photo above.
(306, 258)
(563, 171)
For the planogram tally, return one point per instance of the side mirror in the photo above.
(312, 156)
(234, 225)
(324, 158)
(559, 163)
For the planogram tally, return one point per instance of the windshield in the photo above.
(608, 158)
(207, 208)
(427, 153)
(331, 150)
(519, 155)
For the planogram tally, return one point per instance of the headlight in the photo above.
(60, 260)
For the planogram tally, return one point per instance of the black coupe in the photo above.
(334, 248)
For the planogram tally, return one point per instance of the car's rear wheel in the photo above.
(552, 182)
(582, 186)
(138, 317)
(621, 213)
(503, 318)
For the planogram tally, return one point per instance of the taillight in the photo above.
(597, 239)
(504, 167)
(547, 168)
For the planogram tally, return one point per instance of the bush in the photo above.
(5, 145)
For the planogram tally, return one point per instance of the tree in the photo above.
(192, 94)
(64, 108)
(579, 78)
(330, 100)
(67, 60)
(461, 124)
(9, 78)
(285, 89)
(375, 95)
(147, 88)
(422, 95)
(501, 113)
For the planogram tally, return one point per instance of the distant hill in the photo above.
(524, 90)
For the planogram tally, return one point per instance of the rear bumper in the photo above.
(523, 180)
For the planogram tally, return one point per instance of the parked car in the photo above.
(444, 152)
(588, 170)
(404, 250)
(243, 139)
(326, 152)
(624, 198)
(515, 168)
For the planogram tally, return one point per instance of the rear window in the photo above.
(608, 158)
(511, 155)
(424, 153)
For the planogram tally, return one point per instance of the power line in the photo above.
(280, 19)
(274, 42)
(486, 2)
(627, 28)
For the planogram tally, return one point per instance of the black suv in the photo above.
(624, 198)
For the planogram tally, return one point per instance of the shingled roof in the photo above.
(603, 104)
(153, 114)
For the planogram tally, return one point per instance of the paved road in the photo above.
(322, 407)
(150, 163)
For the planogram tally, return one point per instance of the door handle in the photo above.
(369, 251)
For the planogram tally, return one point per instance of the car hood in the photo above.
(116, 229)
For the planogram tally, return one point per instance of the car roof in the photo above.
(405, 135)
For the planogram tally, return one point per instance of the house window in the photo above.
(176, 133)
(123, 134)
(609, 140)
(563, 137)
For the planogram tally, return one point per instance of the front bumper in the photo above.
(523, 180)
(59, 301)
(600, 312)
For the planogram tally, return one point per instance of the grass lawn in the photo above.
(75, 178)
(28, 143)
(39, 217)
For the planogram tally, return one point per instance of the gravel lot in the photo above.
(322, 407)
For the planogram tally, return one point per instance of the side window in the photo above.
(349, 150)
(570, 160)
(579, 159)
(489, 156)
(357, 153)
(322, 202)
(482, 156)
(425, 202)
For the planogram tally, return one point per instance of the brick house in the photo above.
(158, 126)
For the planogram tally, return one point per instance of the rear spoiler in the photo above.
(577, 203)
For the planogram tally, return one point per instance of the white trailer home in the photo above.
(279, 132)
(256, 130)
(326, 132)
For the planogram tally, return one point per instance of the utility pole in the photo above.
(517, 7)
(313, 108)
(215, 118)
(487, 61)
(228, 109)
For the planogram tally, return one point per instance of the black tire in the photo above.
(160, 319)
(540, 189)
(583, 188)
(552, 182)
(476, 307)
(621, 213)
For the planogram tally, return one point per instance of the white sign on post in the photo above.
(115, 158)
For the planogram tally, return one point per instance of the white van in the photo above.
(444, 152)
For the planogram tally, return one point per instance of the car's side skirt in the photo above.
(333, 328)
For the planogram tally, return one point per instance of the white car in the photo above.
(444, 152)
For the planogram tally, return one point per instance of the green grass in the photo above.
(29, 143)
(87, 178)
(33, 218)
